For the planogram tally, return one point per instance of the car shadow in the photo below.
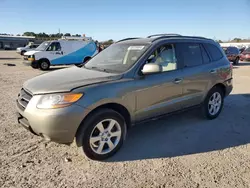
(8, 58)
(188, 133)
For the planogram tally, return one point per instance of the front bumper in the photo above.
(31, 63)
(58, 125)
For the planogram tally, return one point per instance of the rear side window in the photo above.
(205, 56)
(191, 54)
(214, 52)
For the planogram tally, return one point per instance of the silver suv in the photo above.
(133, 80)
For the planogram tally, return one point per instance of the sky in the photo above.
(117, 19)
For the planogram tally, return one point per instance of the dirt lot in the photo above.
(179, 151)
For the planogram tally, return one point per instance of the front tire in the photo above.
(44, 65)
(102, 134)
(213, 103)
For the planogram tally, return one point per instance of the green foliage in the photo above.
(109, 42)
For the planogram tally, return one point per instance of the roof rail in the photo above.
(180, 36)
(127, 39)
(166, 34)
(76, 38)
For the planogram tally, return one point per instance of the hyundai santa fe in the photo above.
(133, 80)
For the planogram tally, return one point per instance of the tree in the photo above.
(18, 35)
(29, 34)
(109, 42)
(67, 34)
(76, 35)
(237, 39)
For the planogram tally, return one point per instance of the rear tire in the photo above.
(97, 141)
(213, 103)
(44, 65)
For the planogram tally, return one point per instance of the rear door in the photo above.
(160, 93)
(196, 72)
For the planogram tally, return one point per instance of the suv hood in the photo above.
(67, 79)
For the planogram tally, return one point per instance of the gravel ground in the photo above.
(183, 150)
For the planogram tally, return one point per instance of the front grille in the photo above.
(23, 99)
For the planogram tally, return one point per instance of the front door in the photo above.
(160, 93)
(55, 54)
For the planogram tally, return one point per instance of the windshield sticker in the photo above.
(136, 47)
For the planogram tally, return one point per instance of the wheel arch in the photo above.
(87, 58)
(44, 59)
(113, 106)
(220, 85)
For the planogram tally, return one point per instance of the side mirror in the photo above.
(151, 68)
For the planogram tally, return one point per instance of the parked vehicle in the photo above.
(245, 55)
(132, 81)
(233, 54)
(66, 51)
(29, 47)
(7, 47)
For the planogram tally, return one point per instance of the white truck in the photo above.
(65, 51)
(29, 47)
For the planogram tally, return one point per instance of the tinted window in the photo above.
(214, 51)
(191, 54)
(205, 56)
(164, 56)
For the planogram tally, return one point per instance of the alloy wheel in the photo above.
(105, 136)
(214, 103)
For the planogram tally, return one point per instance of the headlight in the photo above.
(58, 100)
(31, 58)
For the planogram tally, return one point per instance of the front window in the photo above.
(117, 57)
(164, 56)
(54, 46)
(43, 46)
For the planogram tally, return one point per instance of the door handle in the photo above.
(178, 80)
(213, 71)
(59, 53)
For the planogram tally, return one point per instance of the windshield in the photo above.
(43, 46)
(117, 57)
